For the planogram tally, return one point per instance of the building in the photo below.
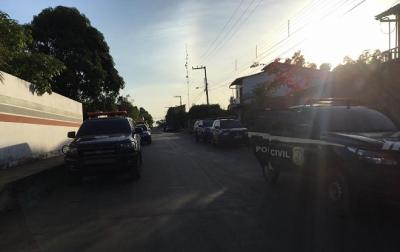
(284, 84)
(391, 17)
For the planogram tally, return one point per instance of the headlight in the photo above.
(374, 157)
(69, 150)
(128, 145)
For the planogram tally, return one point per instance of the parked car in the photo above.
(202, 130)
(105, 143)
(332, 146)
(144, 132)
(228, 131)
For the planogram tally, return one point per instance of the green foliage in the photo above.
(311, 65)
(90, 75)
(124, 104)
(176, 117)
(325, 67)
(143, 114)
(17, 58)
(207, 111)
(298, 59)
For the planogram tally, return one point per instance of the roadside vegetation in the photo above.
(60, 51)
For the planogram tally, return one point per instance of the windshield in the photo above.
(227, 124)
(354, 120)
(104, 127)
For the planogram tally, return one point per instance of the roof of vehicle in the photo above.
(107, 115)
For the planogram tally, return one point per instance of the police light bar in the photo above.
(107, 114)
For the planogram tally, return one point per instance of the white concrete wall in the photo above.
(33, 126)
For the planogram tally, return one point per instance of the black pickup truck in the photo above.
(351, 152)
(105, 143)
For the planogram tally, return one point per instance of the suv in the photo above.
(348, 151)
(202, 130)
(228, 131)
(106, 142)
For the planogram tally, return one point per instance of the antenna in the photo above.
(187, 76)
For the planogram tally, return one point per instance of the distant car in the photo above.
(228, 131)
(105, 143)
(145, 133)
(202, 130)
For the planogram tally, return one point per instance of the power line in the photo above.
(222, 30)
(286, 39)
(297, 44)
(240, 25)
(231, 28)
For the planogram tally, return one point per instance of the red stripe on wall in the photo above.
(30, 120)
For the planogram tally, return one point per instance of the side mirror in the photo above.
(71, 134)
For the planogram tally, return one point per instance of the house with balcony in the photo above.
(391, 17)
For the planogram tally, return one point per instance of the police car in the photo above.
(105, 143)
(349, 151)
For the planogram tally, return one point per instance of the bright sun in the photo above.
(346, 35)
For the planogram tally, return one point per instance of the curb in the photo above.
(30, 188)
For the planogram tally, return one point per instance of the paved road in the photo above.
(194, 197)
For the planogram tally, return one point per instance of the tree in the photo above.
(298, 59)
(90, 76)
(124, 104)
(143, 114)
(325, 67)
(17, 58)
(207, 111)
(311, 65)
(176, 117)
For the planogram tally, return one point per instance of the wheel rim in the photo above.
(335, 191)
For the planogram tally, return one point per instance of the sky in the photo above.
(147, 39)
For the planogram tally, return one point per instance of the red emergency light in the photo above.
(107, 114)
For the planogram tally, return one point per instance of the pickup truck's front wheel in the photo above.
(271, 173)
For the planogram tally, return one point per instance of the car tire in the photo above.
(337, 196)
(136, 169)
(270, 173)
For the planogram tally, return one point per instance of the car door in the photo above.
(215, 128)
(294, 142)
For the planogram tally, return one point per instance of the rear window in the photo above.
(290, 122)
(104, 127)
(355, 120)
(227, 124)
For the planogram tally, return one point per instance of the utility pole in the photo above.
(205, 79)
(180, 99)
